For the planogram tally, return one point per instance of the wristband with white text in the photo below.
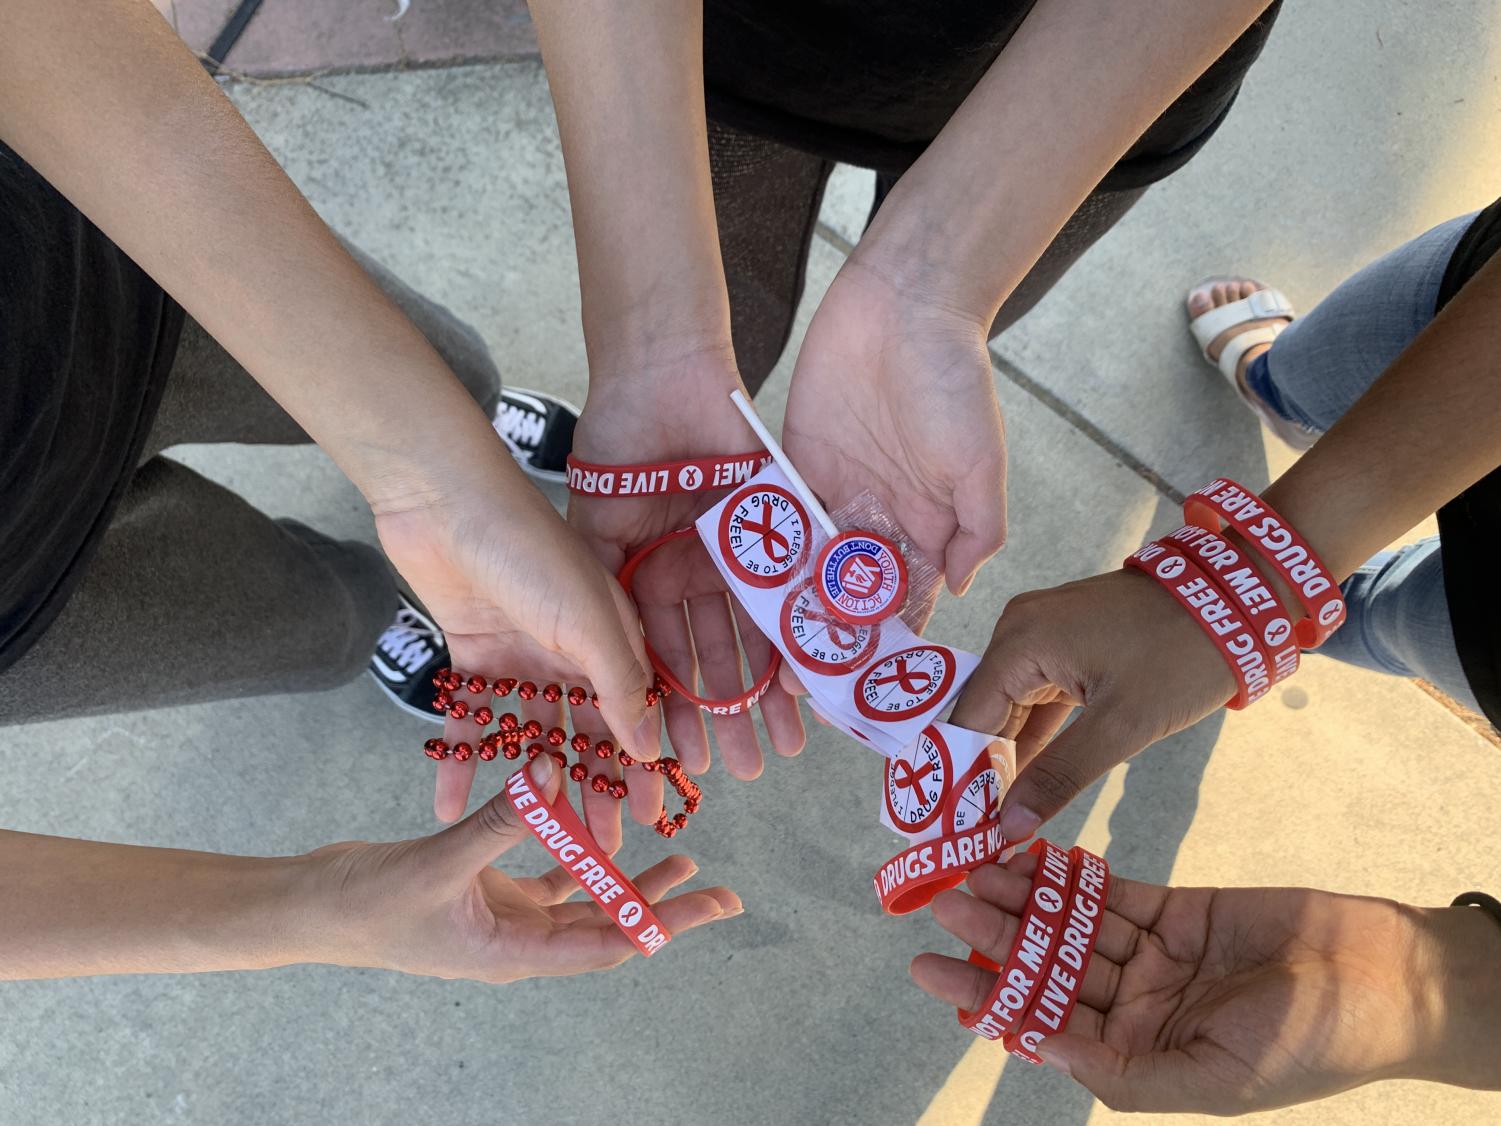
(1223, 501)
(1244, 588)
(1063, 981)
(664, 477)
(1186, 581)
(560, 831)
(1016, 985)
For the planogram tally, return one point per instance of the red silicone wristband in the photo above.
(560, 831)
(1089, 884)
(1243, 587)
(1272, 538)
(660, 478)
(734, 705)
(1186, 581)
(912, 877)
(1016, 984)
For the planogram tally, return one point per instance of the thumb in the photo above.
(1160, 1081)
(980, 513)
(494, 828)
(1100, 738)
(618, 669)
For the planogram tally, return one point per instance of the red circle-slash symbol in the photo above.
(918, 781)
(762, 532)
(905, 684)
(820, 641)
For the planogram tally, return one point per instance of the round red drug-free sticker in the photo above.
(821, 642)
(762, 533)
(905, 683)
(973, 801)
(861, 576)
(917, 781)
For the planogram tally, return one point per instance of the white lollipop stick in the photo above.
(742, 404)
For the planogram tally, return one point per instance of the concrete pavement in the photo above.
(1354, 133)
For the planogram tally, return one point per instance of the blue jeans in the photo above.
(1398, 615)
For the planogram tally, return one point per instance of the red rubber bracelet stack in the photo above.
(1036, 991)
(1225, 592)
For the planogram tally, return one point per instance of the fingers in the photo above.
(665, 875)
(494, 827)
(779, 711)
(616, 665)
(667, 627)
(601, 812)
(1100, 738)
(454, 779)
(719, 659)
(980, 512)
(1042, 723)
(596, 944)
(992, 932)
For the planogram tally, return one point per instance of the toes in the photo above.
(1199, 303)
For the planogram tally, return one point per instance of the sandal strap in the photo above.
(1261, 304)
(1237, 345)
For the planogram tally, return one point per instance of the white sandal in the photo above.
(1207, 327)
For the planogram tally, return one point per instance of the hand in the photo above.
(1228, 1000)
(898, 397)
(517, 593)
(435, 907)
(1081, 645)
(689, 617)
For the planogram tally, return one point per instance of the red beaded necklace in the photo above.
(511, 733)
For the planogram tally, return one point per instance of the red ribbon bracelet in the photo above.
(664, 477)
(734, 705)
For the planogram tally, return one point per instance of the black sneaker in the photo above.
(539, 430)
(405, 659)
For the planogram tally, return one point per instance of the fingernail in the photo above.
(648, 738)
(1018, 823)
(732, 914)
(542, 768)
(1054, 1059)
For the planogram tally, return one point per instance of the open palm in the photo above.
(1218, 1000)
(901, 400)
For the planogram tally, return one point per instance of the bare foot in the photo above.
(1222, 291)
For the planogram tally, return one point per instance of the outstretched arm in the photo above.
(106, 103)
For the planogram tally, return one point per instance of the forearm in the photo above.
(1077, 85)
(104, 101)
(1425, 431)
(627, 81)
(74, 908)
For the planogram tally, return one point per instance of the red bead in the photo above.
(552, 693)
(559, 757)
(599, 783)
(441, 701)
(462, 751)
(576, 696)
(594, 698)
(690, 806)
(440, 676)
(477, 684)
(652, 696)
(534, 750)
(604, 748)
(578, 772)
(618, 790)
(557, 736)
(453, 681)
(459, 709)
(509, 722)
(651, 766)
(512, 751)
(483, 716)
(627, 760)
(669, 830)
(488, 751)
(526, 690)
(435, 749)
(580, 744)
(680, 819)
(532, 729)
(503, 687)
